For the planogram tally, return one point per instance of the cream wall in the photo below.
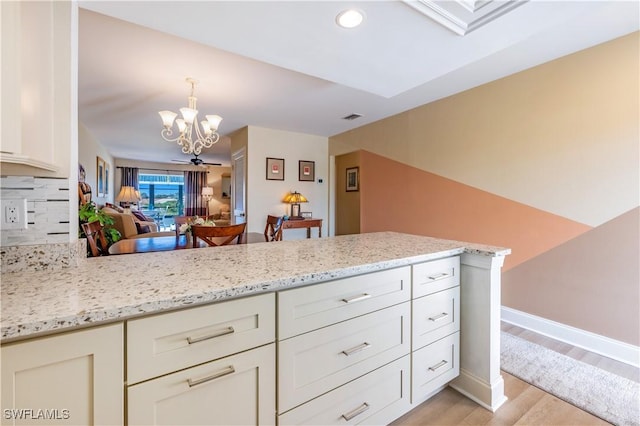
(89, 148)
(265, 196)
(561, 137)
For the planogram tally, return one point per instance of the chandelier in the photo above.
(190, 137)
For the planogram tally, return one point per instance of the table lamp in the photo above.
(295, 198)
(207, 194)
(127, 196)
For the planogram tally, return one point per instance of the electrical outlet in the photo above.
(14, 213)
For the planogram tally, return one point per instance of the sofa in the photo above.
(130, 226)
(223, 217)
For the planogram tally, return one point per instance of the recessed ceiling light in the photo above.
(350, 18)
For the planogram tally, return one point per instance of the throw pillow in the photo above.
(142, 229)
(140, 216)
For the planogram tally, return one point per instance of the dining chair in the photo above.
(273, 230)
(217, 235)
(96, 239)
(181, 220)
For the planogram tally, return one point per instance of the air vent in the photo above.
(352, 116)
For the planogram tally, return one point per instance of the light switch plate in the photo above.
(14, 213)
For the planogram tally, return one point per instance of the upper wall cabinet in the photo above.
(36, 57)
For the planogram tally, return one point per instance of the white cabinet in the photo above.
(67, 379)
(209, 365)
(434, 366)
(339, 350)
(317, 362)
(164, 343)
(311, 307)
(435, 356)
(236, 390)
(376, 398)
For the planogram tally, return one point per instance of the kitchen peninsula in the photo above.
(197, 317)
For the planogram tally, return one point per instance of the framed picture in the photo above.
(353, 183)
(306, 215)
(107, 171)
(275, 168)
(306, 170)
(100, 176)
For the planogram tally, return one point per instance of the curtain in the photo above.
(130, 177)
(194, 205)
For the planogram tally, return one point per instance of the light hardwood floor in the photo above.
(527, 405)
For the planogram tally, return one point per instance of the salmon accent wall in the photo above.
(561, 137)
(591, 282)
(397, 197)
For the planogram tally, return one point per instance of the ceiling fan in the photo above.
(196, 162)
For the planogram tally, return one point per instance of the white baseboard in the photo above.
(592, 342)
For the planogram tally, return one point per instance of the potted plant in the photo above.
(89, 212)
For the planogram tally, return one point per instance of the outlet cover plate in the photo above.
(14, 213)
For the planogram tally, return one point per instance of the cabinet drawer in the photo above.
(376, 398)
(435, 316)
(168, 342)
(437, 275)
(236, 390)
(434, 366)
(317, 362)
(308, 308)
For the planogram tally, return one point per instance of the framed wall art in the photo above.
(353, 179)
(100, 176)
(306, 170)
(107, 172)
(275, 168)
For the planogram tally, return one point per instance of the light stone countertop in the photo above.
(116, 288)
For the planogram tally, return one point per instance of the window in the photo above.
(162, 191)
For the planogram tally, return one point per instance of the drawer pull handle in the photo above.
(351, 414)
(438, 277)
(439, 317)
(364, 296)
(225, 372)
(438, 365)
(356, 349)
(224, 332)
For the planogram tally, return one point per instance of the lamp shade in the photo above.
(127, 195)
(295, 198)
(207, 191)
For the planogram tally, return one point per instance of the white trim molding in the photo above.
(605, 346)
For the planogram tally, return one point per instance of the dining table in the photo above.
(172, 242)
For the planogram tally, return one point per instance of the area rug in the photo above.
(608, 396)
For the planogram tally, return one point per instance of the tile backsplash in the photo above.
(45, 244)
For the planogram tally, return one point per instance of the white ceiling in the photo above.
(287, 65)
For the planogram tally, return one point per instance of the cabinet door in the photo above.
(68, 379)
(436, 275)
(237, 390)
(376, 398)
(434, 366)
(314, 363)
(165, 343)
(435, 316)
(311, 307)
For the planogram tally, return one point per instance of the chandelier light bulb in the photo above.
(182, 126)
(206, 127)
(167, 118)
(214, 121)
